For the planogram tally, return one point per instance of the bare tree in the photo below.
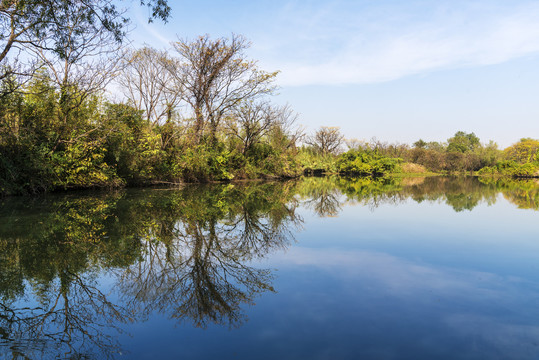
(355, 144)
(217, 76)
(326, 140)
(149, 86)
(251, 121)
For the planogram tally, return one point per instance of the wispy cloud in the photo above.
(398, 276)
(339, 43)
(150, 33)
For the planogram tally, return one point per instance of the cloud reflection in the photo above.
(481, 313)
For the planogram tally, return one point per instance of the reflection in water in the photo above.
(182, 253)
(201, 272)
(51, 303)
(185, 254)
(322, 196)
(524, 192)
(326, 196)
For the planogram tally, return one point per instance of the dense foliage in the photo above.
(200, 112)
(366, 163)
(51, 141)
(462, 153)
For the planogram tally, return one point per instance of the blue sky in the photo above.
(394, 70)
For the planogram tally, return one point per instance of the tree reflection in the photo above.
(51, 305)
(461, 193)
(187, 254)
(202, 273)
(73, 321)
(524, 193)
(322, 196)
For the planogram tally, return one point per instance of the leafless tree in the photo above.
(149, 85)
(326, 140)
(74, 317)
(251, 122)
(355, 144)
(217, 76)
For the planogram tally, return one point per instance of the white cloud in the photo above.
(338, 45)
(150, 33)
(398, 276)
(492, 309)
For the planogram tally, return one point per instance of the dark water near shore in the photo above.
(321, 268)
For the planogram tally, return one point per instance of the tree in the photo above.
(463, 142)
(251, 121)
(79, 69)
(42, 24)
(524, 151)
(217, 76)
(420, 144)
(326, 140)
(148, 85)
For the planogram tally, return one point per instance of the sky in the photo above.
(394, 70)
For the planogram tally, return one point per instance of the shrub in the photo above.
(366, 163)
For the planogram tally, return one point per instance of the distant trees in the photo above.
(520, 160)
(463, 142)
(420, 144)
(462, 152)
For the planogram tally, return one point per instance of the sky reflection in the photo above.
(322, 269)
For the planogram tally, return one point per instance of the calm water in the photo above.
(323, 268)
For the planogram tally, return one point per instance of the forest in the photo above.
(79, 108)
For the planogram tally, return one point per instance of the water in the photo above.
(322, 268)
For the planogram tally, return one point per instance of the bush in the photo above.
(366, 163)
(511, 169)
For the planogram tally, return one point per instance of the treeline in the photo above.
(80, 110)
(201, 115)
(462, 153)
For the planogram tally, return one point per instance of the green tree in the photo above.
(463, 142)
(420, 144)
(25, 23)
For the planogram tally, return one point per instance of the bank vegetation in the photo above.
(80, 109)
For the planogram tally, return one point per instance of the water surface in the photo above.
(322, 268)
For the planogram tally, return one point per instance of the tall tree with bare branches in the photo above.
(217, 76)
(326, 140)
(148, 84)
(250, 122)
